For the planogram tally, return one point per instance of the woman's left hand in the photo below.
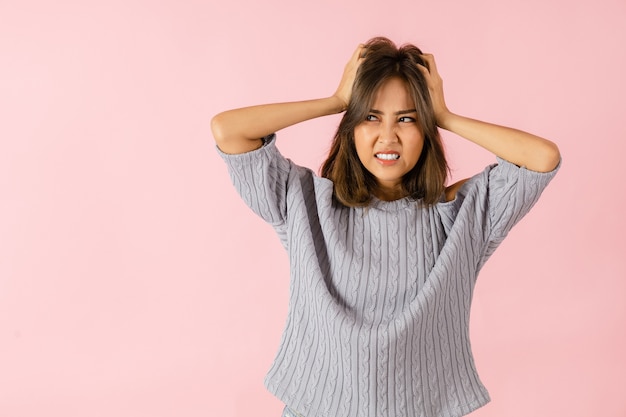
(516, 146)
(435, 87)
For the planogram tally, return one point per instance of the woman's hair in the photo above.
(354, 184)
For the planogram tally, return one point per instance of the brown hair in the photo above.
(354, 184)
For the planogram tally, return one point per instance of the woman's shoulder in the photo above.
(451, 190)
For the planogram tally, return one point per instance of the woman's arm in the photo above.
(516, 146)
(240, 130)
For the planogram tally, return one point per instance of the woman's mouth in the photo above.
(387, 156)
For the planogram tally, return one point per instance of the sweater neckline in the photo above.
(395, 205)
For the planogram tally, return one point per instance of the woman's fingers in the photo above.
(345, 86)
(435, 85)
(423, 70)
(359, 52)
(428, 58)
(431, 65)
(430, 70)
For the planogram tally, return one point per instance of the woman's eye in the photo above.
(406, 119)
(370, 118)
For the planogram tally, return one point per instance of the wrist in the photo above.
(339, 105)
(445, 119)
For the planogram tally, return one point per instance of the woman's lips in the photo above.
(387, 158)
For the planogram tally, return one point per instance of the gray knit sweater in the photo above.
(380, 296)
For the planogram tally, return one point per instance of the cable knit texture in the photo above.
(380, 296)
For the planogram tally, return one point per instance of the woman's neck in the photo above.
(389, 194)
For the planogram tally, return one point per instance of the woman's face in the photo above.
(390, 141)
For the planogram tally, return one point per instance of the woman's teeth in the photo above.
(387, 156)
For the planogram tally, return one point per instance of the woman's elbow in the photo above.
(217, 128)
(550, 157)
(229, 138)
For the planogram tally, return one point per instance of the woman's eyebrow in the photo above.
(396, 113)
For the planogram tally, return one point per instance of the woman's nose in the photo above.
(387, 133)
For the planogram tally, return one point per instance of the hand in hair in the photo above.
(344, 91)
(435, 87)
(516, 146)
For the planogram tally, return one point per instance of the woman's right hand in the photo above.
(344, 91)
(240, 130)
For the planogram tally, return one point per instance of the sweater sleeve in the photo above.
(487, 206)
(512, 192)
(260, 177)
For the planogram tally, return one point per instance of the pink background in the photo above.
(133, 280)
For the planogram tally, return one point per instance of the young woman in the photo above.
(383, 255)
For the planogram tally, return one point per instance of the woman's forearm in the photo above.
(516, 146)
(240, 130)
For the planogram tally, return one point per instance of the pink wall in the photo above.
(134, 282)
